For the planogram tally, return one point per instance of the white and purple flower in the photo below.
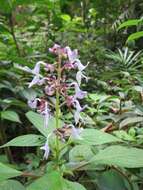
(46, 149)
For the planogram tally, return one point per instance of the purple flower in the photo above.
(79, 65)
(50, 90)
(69, 100)
(49, 67)
(34, 71)
(75, 133)
(69, 66)
(46, 148)
(72, 55)
(41, 81)
(78, 93)
(46, 114)
(33, 103)
(55, 49)
(79, 109)
(34, 81)
(79, 76)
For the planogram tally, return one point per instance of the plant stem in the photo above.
(57, 92)
(58, 106)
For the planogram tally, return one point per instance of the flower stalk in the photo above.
(57, 115)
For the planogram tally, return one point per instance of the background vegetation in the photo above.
(108, 35)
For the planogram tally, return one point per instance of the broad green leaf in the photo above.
(51, 181)
(130, 120)
(96, 137)
(11, 185)
(6, 172)
(14, 102)
(26, 141)
(133, 22)
(38, 121)
(111, 180)
(120, 156)
(135, 36)
(69, 185)
(10, 115)
(80, 153)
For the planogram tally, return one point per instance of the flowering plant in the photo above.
(57, 84)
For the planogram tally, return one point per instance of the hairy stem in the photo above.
(58, 105)
(57, 92)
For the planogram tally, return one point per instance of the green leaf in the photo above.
(80, 153)
(96, 137)
(6, 172)
(66, 17)
(120, 156)
(133, 22)
(111, 180)
(26, 141)
(69, 185)
(124, 135)
(11, 185)
(38, 121)
(10, 115)
(130, 120)
(52, 181)
(135, 36)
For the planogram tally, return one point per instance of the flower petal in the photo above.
(34, 81)
(33, 103)
(79, 76)
(72, 55)
(46, 148)
(80, 66)
(76, 132)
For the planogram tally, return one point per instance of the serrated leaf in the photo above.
(10, 115)
(26, 141)
(96, 137)
(120, 156)
(38, 121)
(130, 120)
(6, 172)
(11, 185)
